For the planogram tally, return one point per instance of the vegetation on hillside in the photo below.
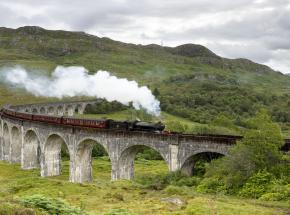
(255, 167)
(190, 80)
(199, 92)
(26, 193)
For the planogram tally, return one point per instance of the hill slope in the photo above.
(189, 80)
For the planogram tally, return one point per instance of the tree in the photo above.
(156, 92)
(224, 121)
(259, 150)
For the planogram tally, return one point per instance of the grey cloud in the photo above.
(255, 29)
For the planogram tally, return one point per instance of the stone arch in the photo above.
(51, 163)
(69, 110)
(34, 110)
(51, 110)
(83, 160)
(16, 145)
(187, 165)
(88, 108)
(27, 110)
(42, 110)
(6, 142)
(31, 150)
(60, 110)
(78, 109)
(126, 160)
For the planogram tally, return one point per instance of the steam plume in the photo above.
(75, 81)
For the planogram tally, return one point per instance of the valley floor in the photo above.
(103, 195)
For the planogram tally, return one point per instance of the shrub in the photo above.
(159, 182)
(258, 150)
(211, 185)
(282, 189)
(104, 107)
(272, 197)
(16, 208)
(174, 190)
(277, 192)
(176, 126)
(187, 181)
(26, 211)
(51, 205)
(257, 185)
(149, 154)
(99, 151)
(118, 196)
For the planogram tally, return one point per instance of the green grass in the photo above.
(167, 118)
(103, 195)
(193, 88)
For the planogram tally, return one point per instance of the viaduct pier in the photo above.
(37, 143)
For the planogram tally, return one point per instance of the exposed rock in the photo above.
(174, 200)
(33, 30)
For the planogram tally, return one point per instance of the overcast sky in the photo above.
(255, 29)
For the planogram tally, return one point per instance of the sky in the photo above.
(255, 29)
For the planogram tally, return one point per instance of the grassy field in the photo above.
(103, 195)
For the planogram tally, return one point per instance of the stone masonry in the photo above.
(38, 145)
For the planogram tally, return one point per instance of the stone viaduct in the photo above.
(56, 108)
(38, 145)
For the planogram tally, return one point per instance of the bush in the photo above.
(51, 205)
(187, 181)
(99, 151)
(149, 154)
(282, 189)
(118, 196)
(272, 197)
(258, 150)
(176, 126)
(257, 185)
(211, 185)
(16, 209)
(104, 107)
(159, 182)
(277, 192)
(174, 190)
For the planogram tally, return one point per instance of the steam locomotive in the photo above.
(90, 123)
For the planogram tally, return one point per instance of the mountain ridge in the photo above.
(187, 50)
(189, 80)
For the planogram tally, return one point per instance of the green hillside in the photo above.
(199, 92)
(190, 81)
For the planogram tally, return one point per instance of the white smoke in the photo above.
(75, 81)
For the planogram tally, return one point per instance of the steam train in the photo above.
(90, 123)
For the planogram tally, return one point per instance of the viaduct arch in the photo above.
(38, 145)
